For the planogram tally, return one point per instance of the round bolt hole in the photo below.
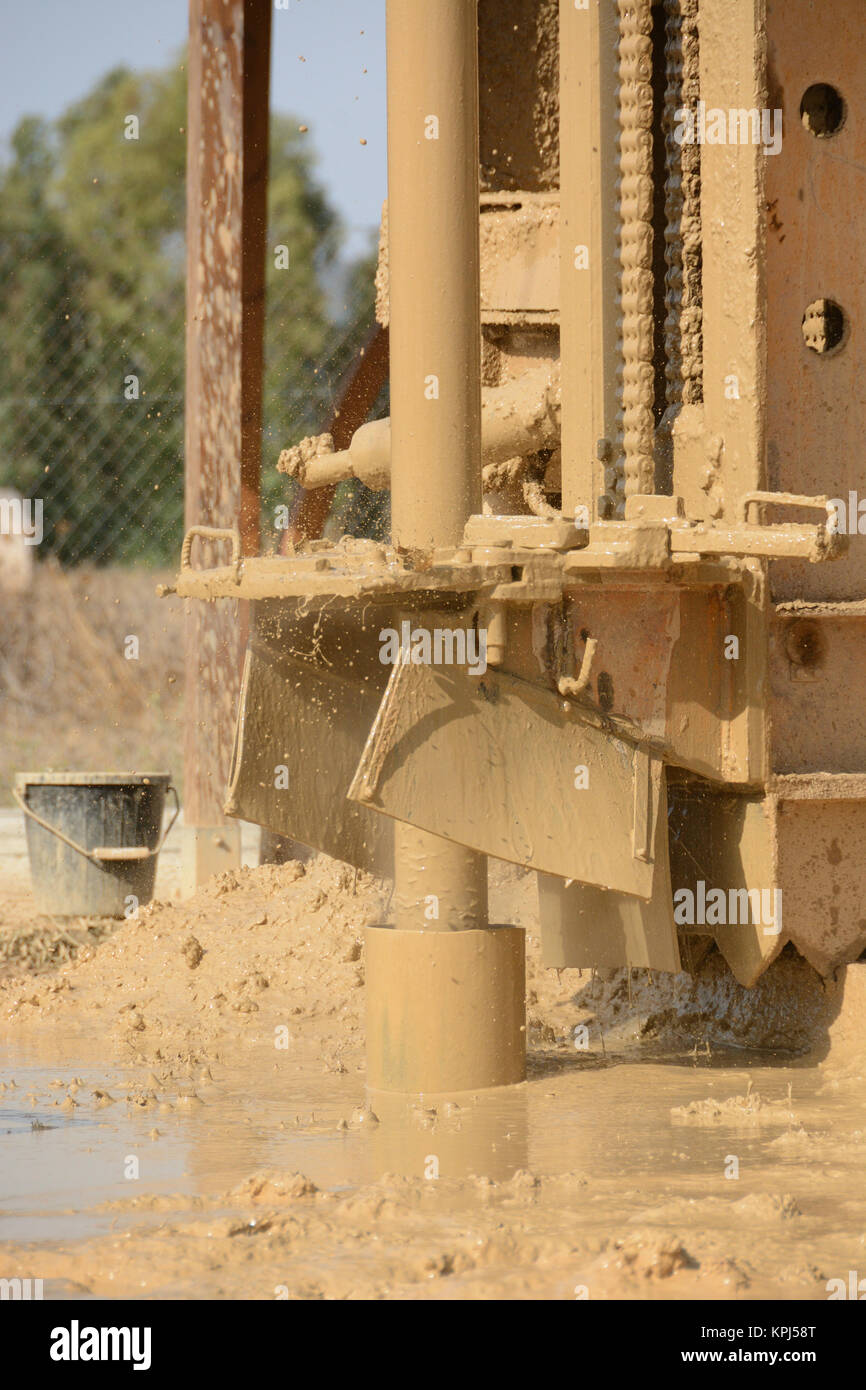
(823, 325)
(805, 644)
(822, 110)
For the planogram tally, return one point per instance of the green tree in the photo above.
(44, 363)
(92, 294)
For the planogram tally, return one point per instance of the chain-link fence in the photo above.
(308, 410)
(92, 298)
(92, 342)
(91, 423)
(79, 432)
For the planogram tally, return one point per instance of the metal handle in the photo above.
(105, 853)
(213, 533)
(785, 499)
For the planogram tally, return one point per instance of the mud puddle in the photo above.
(609, 1174)
(190, 1120)
(58, 1166)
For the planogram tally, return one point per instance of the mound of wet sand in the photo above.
(281, 947)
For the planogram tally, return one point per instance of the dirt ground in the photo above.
(69, 692)
(184, 1116)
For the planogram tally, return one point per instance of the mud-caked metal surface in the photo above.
(647, 520)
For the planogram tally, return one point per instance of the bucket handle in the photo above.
(105, 853)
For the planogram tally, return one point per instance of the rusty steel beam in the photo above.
(356, 396)
(227, 155)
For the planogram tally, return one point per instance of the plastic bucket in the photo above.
(93, 839)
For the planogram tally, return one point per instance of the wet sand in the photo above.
(189, 1119)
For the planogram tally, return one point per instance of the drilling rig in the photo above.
(619, 271)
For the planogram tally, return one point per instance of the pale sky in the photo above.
(54, 50)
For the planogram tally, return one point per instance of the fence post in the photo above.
(227, 165)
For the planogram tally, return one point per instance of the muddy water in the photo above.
(604, 1175)
(58, 1167)
(159, 1141)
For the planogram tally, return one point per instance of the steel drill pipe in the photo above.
(433, 201)
(432, 957)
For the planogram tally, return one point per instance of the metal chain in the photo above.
(635, 423)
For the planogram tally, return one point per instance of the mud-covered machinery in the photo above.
(619, 634)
